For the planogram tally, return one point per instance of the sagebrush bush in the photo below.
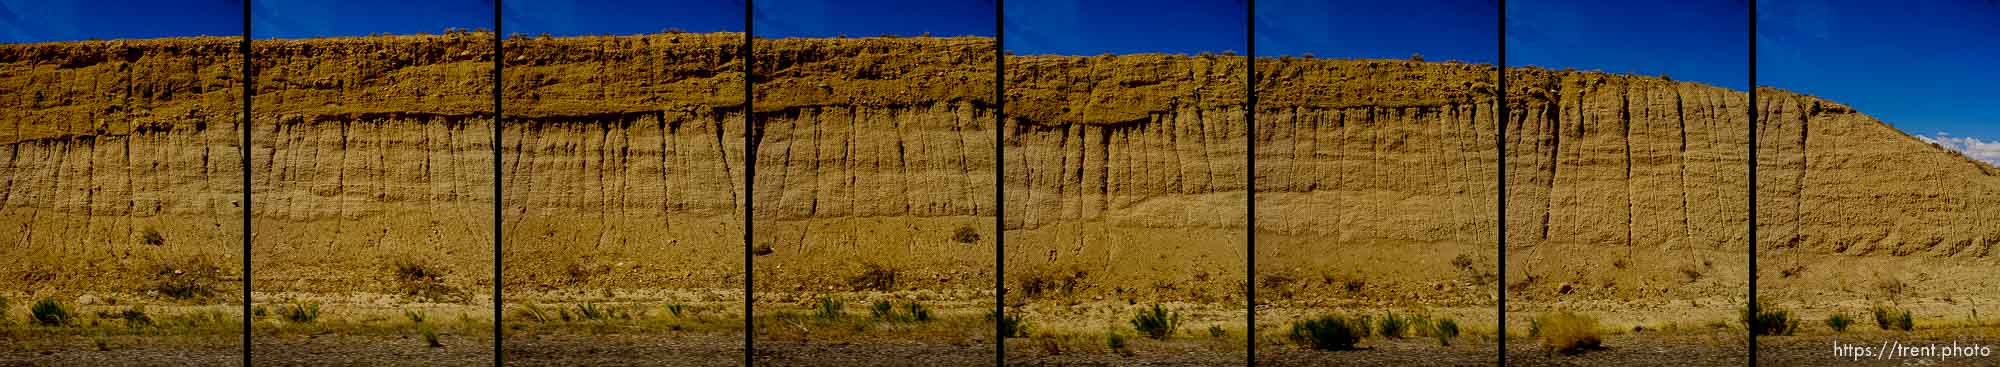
(1157, 322)
(1567, 332)
(876, 277)
(1838, 322)
(1769, 320)
(1330, 332)
(50, 312)
(136, 317)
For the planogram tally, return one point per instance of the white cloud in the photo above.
(1976, 148)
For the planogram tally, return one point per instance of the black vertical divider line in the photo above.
(1500, 163)
(499, 355)
(1250, 186)
(749, 175)
(1752, 128)
(999, 182)
(243, 150)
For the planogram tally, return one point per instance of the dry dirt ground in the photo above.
(215, 350)
(1641, 349)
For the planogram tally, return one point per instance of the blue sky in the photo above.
(864, 18)
(24, 21)
(327, 18)
(1703, 41)
(1926, 67)
(1065, 27)
(616, 17)
(1463, 30)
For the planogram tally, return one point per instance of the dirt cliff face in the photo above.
(623, 163)
(1376, 182)
(370, 154)
(1125, 177)
(122, 170)
(1620, 186)
(1850, 208)
(875, 165)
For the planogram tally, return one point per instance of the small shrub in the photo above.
(592, 312)
(882, 310)
(1444, 330)
(916, 312)
(965, 235)
(50, 312)
(415, 316)
(1838, 322)
(1215, 331)
(1391, 326)
(136, 317)
(431, 338)
(1116, 342)
(300, 312)
(1157, 323)
(829, 309)
(1769, 320)
(1892, 318)
(152, 237)
(1011, 326)
(1330, 332)
(676, 309)
(1568, 333)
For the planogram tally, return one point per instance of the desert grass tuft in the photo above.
(1444, 329)
(300, 312)
(1330, 332)
(1892, 318)
(1157, 322)
(431, 338)
(1392, 326)
(416, 317)
(1568, 332)
(830, 309)
(135, 317)
(1011, 326)
(1768, 320)
(1116, 342)
(1838, 322)
(50, 312)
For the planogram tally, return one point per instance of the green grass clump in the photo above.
(1444, 330)
(1116, 342)
(431, 338)
(830, 309)
(300, 312)
(1215, 331)
(592, 312)
(1892, 318)
(1391, 326)
(1157, 322)
(676, 309)
(1330, 332)
(1838, 322)
(1769, 320)
(415, 316)
(1011, 326)
(136, 317)
(50, 312)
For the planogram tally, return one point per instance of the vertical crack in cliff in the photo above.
(1805, 153)
(1680, 119)
(1625, 121)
